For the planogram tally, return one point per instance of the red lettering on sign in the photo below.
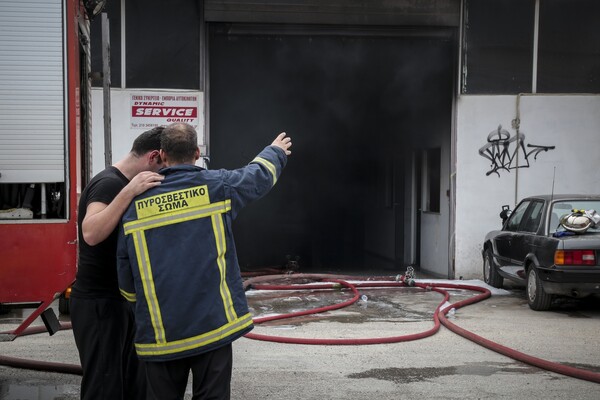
(163, 112)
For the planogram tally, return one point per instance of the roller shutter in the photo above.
(32, 119)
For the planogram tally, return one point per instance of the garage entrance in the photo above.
(370, 114)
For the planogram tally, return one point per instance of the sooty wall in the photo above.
(352, 104)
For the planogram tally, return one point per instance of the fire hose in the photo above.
(37, 365)
(337, 281)
(439, 316)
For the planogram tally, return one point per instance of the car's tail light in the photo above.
(574, 257)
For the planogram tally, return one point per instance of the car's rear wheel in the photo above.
(490, 273)
(537, 298)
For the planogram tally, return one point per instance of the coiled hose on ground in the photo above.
(336, 281)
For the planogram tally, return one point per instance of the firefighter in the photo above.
(177, 262)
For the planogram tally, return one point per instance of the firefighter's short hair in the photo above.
(180, 142)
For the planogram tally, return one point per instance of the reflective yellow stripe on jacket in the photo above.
(268, 165)
(137, 229)
(207, 338)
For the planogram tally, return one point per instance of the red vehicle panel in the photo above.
(38, 256)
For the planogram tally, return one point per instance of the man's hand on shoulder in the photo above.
(144, 181)
(283, 142)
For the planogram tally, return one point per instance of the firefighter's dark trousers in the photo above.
(211, 374)
(104, 331)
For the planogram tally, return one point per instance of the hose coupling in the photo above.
(408, 278)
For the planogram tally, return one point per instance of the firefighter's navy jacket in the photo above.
(177, 258)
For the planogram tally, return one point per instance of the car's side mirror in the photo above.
(505, 213)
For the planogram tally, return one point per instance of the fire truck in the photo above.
(44, 149)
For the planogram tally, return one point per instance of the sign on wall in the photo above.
(133, 111)
(150, 109)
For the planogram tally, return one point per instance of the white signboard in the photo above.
(134, 111)
(150, 109)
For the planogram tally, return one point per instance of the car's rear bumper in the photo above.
(576, 283)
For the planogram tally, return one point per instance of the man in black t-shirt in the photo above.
(102, 320)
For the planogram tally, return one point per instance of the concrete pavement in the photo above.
(443, 366)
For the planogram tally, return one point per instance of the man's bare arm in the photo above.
(101, 219)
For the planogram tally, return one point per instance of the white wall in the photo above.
(435, 226)
(571, 123)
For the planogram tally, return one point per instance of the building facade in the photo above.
(413, 122)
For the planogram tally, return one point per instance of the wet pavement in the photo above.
(442, 366)
(374, 305)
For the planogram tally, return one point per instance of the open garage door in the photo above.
(358, 104)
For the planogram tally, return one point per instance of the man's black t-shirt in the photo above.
(97, 265)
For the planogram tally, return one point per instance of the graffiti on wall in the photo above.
(506, 152)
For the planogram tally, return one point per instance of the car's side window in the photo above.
(532, 222)
(515, 218)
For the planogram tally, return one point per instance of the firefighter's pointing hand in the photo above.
(283, 143)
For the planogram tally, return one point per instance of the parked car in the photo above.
(534, 249)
